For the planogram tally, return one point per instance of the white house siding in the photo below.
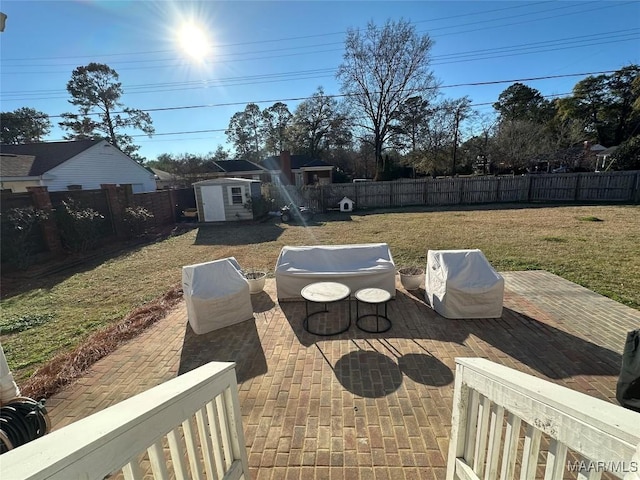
(100, 164)
(237, 211)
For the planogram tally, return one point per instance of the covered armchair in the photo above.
(463, 284)
(217, 295)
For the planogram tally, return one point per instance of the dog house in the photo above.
(226, 199)
(346, 205)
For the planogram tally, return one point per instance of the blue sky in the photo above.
(263, 51)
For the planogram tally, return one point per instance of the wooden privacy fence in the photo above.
(570, 187)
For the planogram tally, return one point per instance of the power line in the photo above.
(481, 54)
(341, 95)
(484, 22)
(261, 42)
(221, 130)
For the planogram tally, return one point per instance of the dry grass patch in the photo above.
(602, 256)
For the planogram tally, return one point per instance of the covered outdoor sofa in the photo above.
(356, 266)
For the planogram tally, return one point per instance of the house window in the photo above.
(236, 195)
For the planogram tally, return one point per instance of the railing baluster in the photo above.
(234, 420)
(177, 455)
(215, 439)
(460, 412)
(472, 426)
(591, 473)
(495, 435)
(530, 453)
(192, 450)
(510, 447)
(224, 429)
(205, 444)
(556, 458)
(158, 461)
(132, 470)
(480, 453)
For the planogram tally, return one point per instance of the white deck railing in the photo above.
(511, 424)
(184, 428)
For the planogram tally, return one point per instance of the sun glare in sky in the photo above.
(194, 41)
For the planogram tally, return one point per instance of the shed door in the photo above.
(212, 203)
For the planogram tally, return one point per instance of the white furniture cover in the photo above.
(356, 266)
(216, 294)
(462, 284)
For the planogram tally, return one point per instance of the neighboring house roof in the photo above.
(312, 163)
(47, 155)
(162, 175)
(13, 165)
(229, 166)
(297, 162)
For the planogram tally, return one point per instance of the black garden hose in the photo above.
(21, 421)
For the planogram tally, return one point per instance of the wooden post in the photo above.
(173, 200)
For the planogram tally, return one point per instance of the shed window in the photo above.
(236, 195)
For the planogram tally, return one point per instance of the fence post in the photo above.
(173, 200)
(635, 189)
(42, 201)
(529, 188)
(576, 194)
(118, 200)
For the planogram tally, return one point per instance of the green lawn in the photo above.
(595, 246)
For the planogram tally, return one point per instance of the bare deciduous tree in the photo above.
(382, 68)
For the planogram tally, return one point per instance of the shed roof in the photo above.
(225, 180)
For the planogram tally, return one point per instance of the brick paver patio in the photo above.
(359, 405)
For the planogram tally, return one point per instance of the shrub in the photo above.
(18, 239)
(15, 324)
(137, 219)
(628, 154)
(79, 226)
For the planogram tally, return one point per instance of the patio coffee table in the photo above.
(324, 292)
(377, 297)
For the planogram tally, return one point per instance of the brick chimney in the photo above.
(285, 167)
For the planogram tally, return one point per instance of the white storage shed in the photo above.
(226, 199)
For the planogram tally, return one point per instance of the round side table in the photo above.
(377, 297)
(324, 292)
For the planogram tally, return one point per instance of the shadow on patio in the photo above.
(548, 350)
